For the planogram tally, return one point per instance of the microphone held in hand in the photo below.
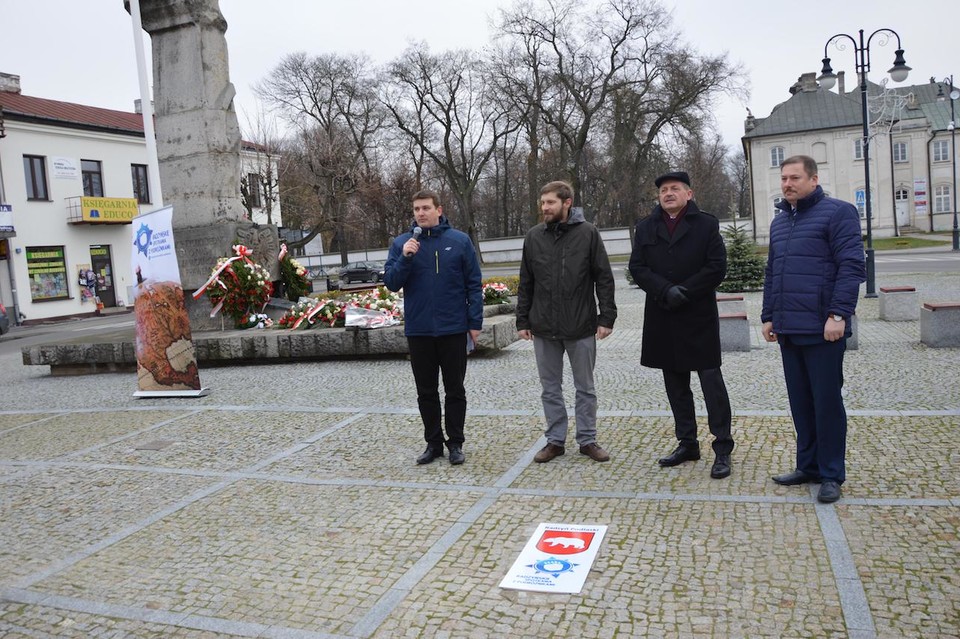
(416, 232)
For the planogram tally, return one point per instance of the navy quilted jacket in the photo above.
(815, 265)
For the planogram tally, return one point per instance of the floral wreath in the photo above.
(238, 286)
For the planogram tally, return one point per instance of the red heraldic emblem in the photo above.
(564, 542)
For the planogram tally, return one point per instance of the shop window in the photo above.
(47, 270)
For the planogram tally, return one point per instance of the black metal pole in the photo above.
(862, 54)
(953, 151)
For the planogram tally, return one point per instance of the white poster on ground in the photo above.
(557, 558)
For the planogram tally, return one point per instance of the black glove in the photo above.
(675, 297)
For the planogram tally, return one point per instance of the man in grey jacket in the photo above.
(564, 273)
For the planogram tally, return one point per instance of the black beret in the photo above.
(679, 176)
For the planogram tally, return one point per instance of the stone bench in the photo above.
(731, 304)
(940, 325)
(734, 332)
(115, 352)
(899, 303)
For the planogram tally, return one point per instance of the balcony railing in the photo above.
(101, 210)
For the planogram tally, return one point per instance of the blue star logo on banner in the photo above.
(142, 239)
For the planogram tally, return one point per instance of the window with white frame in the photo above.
(776, 201)
(899, 151)
(92, 173)
(776, 157)
(858, 149)
(902, 194)
(941, 199)
(941, 151)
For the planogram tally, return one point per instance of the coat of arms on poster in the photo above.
(556, 558)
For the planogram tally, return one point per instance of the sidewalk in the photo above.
(287, 504)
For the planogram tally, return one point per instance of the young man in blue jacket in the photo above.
(437, 268)
(815, 266)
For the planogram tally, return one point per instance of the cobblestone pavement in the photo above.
(287, 504)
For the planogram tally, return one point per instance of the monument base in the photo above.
(199, 248)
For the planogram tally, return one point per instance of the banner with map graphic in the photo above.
(557, 558)
(166, 361)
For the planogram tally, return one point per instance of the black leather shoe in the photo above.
(795, 478)
(429, 455)
(456, 455)
(680, 455)
(829, 492)
(721, 467)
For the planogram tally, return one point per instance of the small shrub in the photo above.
(744, 267)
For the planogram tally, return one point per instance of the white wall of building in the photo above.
(842, 175)
(44, 223)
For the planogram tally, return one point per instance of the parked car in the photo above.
(4, 320)
(361, 272)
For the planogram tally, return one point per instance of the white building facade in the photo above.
(72, 177)
(911, 154)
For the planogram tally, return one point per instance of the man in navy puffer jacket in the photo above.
(437, 268)
(812, 282)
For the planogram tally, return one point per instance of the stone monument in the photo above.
(198, 144)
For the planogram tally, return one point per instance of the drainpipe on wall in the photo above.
(893, 188)
(933, 135)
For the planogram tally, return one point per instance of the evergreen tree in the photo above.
(744, 266)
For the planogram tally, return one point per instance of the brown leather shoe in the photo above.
(594, 452)
(548, 452)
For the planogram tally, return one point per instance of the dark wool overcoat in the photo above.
(686, 338)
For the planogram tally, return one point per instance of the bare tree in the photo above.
(615, 79)
(706, 162)
(332, 101)
(440, 103)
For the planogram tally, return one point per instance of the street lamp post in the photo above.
(953, 95)
(898, 73)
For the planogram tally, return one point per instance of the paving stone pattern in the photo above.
(287, 504)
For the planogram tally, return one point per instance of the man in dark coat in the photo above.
(679, 259)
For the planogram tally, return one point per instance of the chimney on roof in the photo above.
(750, 123)
(138, 106)
(841, 85)
(808, 83)
(9, 83)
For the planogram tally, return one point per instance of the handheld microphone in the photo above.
(416, 232)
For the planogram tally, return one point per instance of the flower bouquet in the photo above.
(495, 293)
(239, 287)
(332, 312)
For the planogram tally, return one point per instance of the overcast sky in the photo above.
(82, 51)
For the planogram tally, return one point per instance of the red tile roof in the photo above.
(38, 109)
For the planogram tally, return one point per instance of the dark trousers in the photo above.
(814, 376)
(429, 357)
(719, 416)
